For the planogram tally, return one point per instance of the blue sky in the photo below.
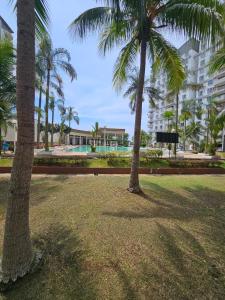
(92, 95)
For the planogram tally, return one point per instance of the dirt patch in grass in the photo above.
(101, 242)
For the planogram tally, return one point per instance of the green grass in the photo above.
(101, 242)
(6, 162)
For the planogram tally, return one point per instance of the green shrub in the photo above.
(193, 163)
(93, 149)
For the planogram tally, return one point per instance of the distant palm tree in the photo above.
(168, 115)
(186, 114)
(150, 92)
(71, 115)
(136, 24)
(18, 255)
(53, 59)
(95, 132)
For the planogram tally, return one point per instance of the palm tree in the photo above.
(95, 132)
(52, 108)
(186, 114)
(53, 59)
(137, 24)
(168, 115)
(17, 250)
(7, 79)
(152, 93)
(6, 114)
(71, 115)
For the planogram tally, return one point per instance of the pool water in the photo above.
(102, 149)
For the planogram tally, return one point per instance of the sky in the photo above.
(92, 94)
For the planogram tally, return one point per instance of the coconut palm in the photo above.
(95, 132)
(136, 24)
(71, 115)
(186, 114)
(150, 92)
(168, 115)
(53, 59)
(18, 255)
(7, 79)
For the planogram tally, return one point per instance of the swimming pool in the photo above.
(102, 149)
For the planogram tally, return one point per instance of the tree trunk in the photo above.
(0, 141)
(134, 186)
(185, 134)
(176, 121)
(52, 129)
(46, 110)
(39, 116)
(17, 249)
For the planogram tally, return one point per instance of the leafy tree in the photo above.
(136, 25)
(145, 138)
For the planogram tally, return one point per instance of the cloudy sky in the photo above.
(92, 95)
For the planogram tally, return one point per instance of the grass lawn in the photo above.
(101, 242)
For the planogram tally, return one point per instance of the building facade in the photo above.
(5, 30)
(106, 137)
(198, 86)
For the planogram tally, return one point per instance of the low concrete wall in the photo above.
(81, 170)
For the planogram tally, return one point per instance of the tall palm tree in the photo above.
(17, 250)
(186, 114)
(53, 59)
(52, 108)
(150, 92)
(71, 115)
(137, 24)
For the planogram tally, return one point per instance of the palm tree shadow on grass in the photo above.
(198, 203)
(186, 271)
(62, 274)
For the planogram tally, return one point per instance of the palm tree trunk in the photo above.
(17, 249)
(39, 116)
(176, 121)
(46, 110)
(0, 141)
(134, 186)
(185, 134)
(52, 129)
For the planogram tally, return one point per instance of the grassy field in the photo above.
(101, 242)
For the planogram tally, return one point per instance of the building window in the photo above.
(201, 78)
(184, 97)
(210, 82)
(202, 63)
(200, 93)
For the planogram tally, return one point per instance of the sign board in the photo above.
(167, 137)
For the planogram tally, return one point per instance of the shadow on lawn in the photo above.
(188, 266)
(199, 202)
(63, 274)
(186, 271)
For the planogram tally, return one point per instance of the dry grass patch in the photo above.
(101, 242)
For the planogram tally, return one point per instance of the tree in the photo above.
(168, 115)
(52, 59)
(136, 24)
(7, 79)
(145, 138)
(71, 115)
(17, 250)
(95, 132)
(186, 114)
(149, 91)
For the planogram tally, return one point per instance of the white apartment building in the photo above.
(196, 56)
(5, 30)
